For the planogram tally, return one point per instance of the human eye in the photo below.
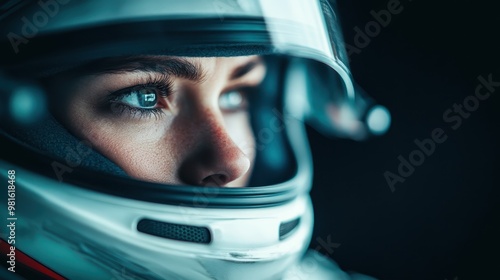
(143, 100)
(233, 100)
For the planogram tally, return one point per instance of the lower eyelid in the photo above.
(119, 109)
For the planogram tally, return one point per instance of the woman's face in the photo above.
(167, 119)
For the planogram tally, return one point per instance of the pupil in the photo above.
(234, 98)
(147, 99)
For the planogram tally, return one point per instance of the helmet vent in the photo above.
(287, 227)
(175, 231)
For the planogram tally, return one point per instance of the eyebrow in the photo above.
(178, 67)
(244, 69)
(174, 66)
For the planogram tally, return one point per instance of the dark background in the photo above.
(443, 221)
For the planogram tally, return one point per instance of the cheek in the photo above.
(147, 158)
(140, 149)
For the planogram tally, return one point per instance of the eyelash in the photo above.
(162, 85)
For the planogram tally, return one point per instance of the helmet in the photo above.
(79, 214)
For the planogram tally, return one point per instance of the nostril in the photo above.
(218, 180)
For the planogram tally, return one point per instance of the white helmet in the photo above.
(81, 217)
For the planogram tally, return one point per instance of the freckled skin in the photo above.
(194, 142)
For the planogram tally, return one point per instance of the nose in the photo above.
(212, 157)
